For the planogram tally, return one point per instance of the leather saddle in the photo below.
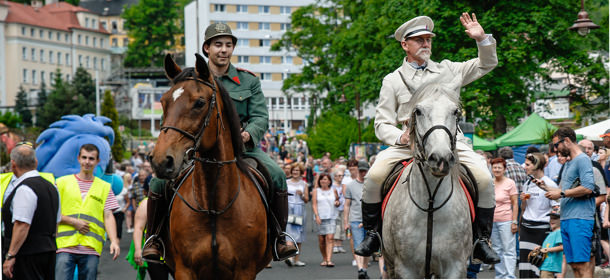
(465, 175)
(260, 174)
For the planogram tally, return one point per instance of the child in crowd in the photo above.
(552, 245)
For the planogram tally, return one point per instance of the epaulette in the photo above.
(245, 70)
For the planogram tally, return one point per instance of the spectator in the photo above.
(577, 204)
(588, 149)
(552, 168)
(339, 188)
(514, 171)
(30, 214)
(353, 220)
(324, 202)
(138, 192)
(298, 197)
(505, 220)
(287, 170)
(535, 208)
(553, 247)
(127, 208)
(80, 240)
(352, 168)
(602, 157)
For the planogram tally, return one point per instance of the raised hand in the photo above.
(473, 28)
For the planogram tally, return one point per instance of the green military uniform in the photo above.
(245, 90)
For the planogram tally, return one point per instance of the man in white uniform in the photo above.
(415, 37)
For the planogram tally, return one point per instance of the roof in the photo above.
(107, 7)
(592, 132)
(534, 130)
(479, 143)
(59, 16)
(552, 93)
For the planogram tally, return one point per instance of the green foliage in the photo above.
(21, 107)
(9, 119)
(348, 47)
(109, 110)
(42, 99)
(152, 26)
(334, 132)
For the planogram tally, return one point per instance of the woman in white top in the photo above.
(297, 198)
(324, 201)
(535, 208)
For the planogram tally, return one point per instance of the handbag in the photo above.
(295, 220)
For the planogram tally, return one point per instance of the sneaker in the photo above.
(354, 263)
(289, 262)
(335, 250)
(299, 263)
(362, 274)
(341, 250)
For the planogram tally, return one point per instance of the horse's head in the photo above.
(188, 107)
(434, 110)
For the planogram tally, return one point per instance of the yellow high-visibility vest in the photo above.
(5, 178)
(90, 209)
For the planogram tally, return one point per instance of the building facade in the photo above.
(257, 25)
(37, 40)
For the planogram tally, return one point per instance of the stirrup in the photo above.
(149, 240)
(276, 256)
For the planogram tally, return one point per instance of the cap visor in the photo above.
(422, 33)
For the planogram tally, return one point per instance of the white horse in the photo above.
(431, 184)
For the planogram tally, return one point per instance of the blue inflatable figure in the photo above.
(58, 146)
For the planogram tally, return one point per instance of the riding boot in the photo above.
(482, 251)
(156, 211)
(371, 223)
(279, 207)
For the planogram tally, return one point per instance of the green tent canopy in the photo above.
(534, 130)
(479, 143)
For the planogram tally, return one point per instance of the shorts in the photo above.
(326, 227)
(576, 237)
(357, 233)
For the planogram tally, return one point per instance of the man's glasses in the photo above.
(558, 142)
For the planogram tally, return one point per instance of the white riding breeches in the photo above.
(387, 158)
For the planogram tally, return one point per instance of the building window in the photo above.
(78, 39)
(24, 53)
(31, 32)
(59, 58)
(87, 62)
(242, 9)
(93, 24)
(285, 26)
(115, 27)
(25, 76)
(67, 59)
(104, 25)
(58, 36)
(34, 79)
(94, 42)
(66, 38)
(23, 31)
(80, 60)
(114, 42)
(101, 42)
(242, 26)
(87, 22)
(243, 42)
(50, 35)
(219, 7)
(284, 10)
(263, 26)
(68, 77)
(50, 56)
(95, 63)
(264, 43)
(33, 54)
(243, 59)
(263, 10)
(103, 62)
(41, 33)
(265, 60)
(265, 76)
(86, 40)
(41, 55)
(51, 80)
(125, 42)
(42, 76)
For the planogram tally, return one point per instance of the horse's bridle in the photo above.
(421, 144)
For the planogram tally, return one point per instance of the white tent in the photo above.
(593, 131)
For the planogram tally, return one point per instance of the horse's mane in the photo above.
(228, 110)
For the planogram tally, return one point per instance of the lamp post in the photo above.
(344, 100)
(583, 24)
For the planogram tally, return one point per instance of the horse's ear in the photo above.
(171, 68)
(202, 67)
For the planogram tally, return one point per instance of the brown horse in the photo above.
(218, 223)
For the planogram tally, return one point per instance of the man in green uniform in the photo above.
(245, 90)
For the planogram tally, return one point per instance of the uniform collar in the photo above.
(409, 71)
(233, 75)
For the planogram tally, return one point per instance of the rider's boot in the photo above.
(279, 207)
(482, 226)
(370, 220)
(157, 209)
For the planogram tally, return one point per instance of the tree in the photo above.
(152, 26)
(21, 107)
(345, 42)
(42, 99)
(84, 88)
(109, 110)
(60, 101)
(9, 119)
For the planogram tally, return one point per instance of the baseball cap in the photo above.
(363, 165)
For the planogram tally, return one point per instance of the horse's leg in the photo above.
(454, 270)
(183, 273)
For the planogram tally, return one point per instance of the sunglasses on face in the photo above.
(558, 142)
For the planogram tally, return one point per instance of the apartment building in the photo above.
(257, 25)
(37, 40)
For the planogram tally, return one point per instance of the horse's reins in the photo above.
(420, 157)
(190, 156)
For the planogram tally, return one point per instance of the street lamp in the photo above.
(344, 100)
(583, 24)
